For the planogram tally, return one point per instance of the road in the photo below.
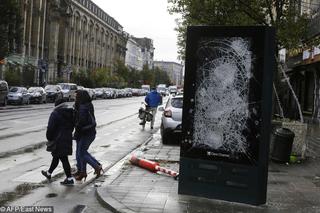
(23, 155)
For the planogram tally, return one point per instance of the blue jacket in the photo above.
(153, 99)
(60, 128)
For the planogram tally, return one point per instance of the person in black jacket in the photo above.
(85, 133)
(59, 130)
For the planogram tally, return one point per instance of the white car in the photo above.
(18, 95)
(68, 91)
(171, 119)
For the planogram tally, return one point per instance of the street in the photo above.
(23, 153)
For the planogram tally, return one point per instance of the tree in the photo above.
(284, 15)
(147, 76)
(161, 77)
(82, 78)
(12, 76)
(100, 76)
(10, 27)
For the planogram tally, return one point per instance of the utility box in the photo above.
(227, 113)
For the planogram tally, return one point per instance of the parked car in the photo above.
(68, 90)
(80, 88)
(18, 95)
(162, 89)
(91, 92)
(3, 92)
(173, 90)
(171, 119)
(110, 93)
(37, 95)
(54, 92)
(100, 93)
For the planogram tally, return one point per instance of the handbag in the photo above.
(92, 123)
(51, 145)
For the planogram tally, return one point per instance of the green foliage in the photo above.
(147, 76)
(282, 14)
(120, 78)
(154, 77)
(12, 76)
(82, 78)
(28, 76)
(99, 77)
(10, 29)
(161, 77)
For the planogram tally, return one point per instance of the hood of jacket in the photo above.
(86, 106)
(65, 112)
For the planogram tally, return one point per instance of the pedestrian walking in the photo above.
(153, 100)
(59, 135)
(85, 133)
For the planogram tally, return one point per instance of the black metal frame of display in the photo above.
(218, 174)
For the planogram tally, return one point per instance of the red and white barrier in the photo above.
(152, 166)
(167, 171)
(143, 163)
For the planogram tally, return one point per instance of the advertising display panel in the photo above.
(227, 112)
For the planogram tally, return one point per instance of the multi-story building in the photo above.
(147, 50)
(139, 53)
(304, 68)
(61, 37)
(134, 57)
(173, 69)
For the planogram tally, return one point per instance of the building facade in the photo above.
(134, 57)
(139, 53)
(304, 70)
(147, 50)
(63, 36)
(173, 69)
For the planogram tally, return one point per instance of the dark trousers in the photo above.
(65, 164)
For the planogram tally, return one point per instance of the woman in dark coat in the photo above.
(85, 133)
(60, 128)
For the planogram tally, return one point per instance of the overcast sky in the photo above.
(146, 18)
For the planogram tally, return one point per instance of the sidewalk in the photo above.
(291, 188)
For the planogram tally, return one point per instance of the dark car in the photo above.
(3, 92)
(37, 95)
(54, 92)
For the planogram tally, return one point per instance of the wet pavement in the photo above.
(291, 187)
(113, 142)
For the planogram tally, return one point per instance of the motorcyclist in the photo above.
(153, 100)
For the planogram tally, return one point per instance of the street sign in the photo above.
(227, 113)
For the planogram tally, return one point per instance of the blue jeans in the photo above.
(83, 156)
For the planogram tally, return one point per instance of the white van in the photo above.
(173, 89)
(146, 87)
(68, 90)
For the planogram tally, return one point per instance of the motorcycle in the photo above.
(144, 114)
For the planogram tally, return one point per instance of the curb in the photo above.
(107, 201)
(112, 204)
(90, 180)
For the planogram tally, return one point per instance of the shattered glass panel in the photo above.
(222, 115)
